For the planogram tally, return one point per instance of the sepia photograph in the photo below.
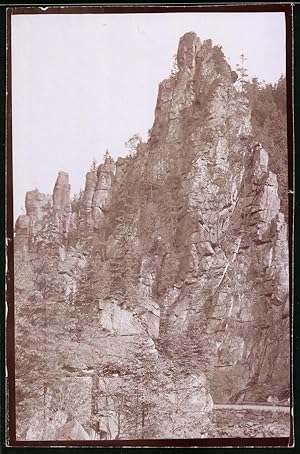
(150, 293)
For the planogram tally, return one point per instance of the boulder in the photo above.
(72, 430)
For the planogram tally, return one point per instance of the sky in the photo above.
(82, 83)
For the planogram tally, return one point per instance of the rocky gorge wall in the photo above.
(176, 256)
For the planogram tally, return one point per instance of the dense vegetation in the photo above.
(269, 109)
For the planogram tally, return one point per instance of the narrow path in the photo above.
(272, 408)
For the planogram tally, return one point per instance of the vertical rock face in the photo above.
(89, 190)
(96, 193)
(61, 192)
(228, 223)
(187, 264)
(61, 203)
(105, 174)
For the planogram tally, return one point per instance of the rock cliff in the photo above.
(173, 269)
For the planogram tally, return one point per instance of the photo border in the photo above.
(10, 340)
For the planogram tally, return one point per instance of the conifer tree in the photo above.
(242, 72)
(107, 155)
(93, 166)
(133, 143)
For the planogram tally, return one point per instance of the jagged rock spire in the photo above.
(61, 192)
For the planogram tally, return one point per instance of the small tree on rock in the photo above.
(133, 143)
(106, 155)
(175, 68)
(93, 166)
(242, 73)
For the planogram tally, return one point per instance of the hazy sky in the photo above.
(83, 83)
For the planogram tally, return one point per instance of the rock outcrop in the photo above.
(37, 206)
(96, 193)
(183, 257)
